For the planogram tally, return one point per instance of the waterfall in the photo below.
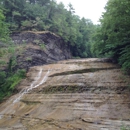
(32, 86)
(1, 116)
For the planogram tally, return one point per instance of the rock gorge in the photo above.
(82, 94)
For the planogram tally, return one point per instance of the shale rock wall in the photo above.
(41, 48)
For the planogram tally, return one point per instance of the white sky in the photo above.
(91, 9)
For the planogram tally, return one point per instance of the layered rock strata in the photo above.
(86, 94)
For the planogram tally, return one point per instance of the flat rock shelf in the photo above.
(82, 94)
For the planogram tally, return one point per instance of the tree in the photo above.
(40, 15)
(14, 12)
(4, 32)
(113, 36)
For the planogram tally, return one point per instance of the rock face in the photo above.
(86, 94)
(41, 48)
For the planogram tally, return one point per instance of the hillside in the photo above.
(41, 48)
(25, 50)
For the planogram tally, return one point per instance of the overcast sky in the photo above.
(91, 9)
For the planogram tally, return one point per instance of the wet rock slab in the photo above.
(86, 94)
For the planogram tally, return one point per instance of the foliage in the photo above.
(8, 83)
(43, 47)
(38, 15)
(4, 32)
(8, 77)
(112, 38)
(42, 15)
(125, 128)
(29, 59)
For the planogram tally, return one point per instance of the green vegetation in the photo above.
(112, 38)
(109, 39)
(47, 15)
(4, 31)
(8, 78)
(125, 128)
(42, 46)
(29, 59)
(9, 81)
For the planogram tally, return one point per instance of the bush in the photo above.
(8, 84)
(125, 128)
(43, 47)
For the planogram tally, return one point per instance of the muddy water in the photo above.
(87, 94)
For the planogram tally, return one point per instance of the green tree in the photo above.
(4, 32)
(48, 15)
(113, 36)
(14, 12)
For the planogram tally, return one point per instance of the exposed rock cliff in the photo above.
(87, 94)
(40, 48)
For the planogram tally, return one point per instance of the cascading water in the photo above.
(32, 86)
(1, 116)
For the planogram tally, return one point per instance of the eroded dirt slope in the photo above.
(87, 94)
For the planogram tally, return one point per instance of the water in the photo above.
(32, 86)
(1, 116)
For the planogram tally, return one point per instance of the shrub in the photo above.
(43, 47)
(8, 84)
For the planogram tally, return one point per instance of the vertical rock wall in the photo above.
(40, 48)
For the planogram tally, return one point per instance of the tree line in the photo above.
(38, 15)
(42, 15)
(112, 37)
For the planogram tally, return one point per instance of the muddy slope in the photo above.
(87, 94)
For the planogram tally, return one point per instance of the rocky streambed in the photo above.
(85, 94)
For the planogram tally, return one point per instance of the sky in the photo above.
(91, 9)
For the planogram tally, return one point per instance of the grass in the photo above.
(123, 127)
(29, 59)
(42, 46)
